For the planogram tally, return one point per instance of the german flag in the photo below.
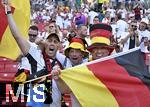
(121, 80)
(21, 14)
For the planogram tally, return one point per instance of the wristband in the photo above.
(8, 12)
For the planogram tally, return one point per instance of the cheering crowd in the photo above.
(68, 33)
(68, 18)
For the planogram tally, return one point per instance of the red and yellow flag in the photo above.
(21, 14)
(121, 81)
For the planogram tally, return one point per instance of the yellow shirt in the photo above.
(102, 1)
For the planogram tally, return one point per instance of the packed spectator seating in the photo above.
(8, 69)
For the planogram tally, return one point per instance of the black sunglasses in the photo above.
(134, 26)
(51, 26)
(32, 35)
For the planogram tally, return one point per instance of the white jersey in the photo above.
(37, 55)
(24, 63)
(121, 26)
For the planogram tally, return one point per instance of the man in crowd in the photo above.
(100, 38)
(96, 20)
(131, 38)
(82, 32)
(39, 56)
(121, 26)
(25, 66)
(24, 63)
(99, 48)
(143, 31)
(76, 53)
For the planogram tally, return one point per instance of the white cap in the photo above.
(148, 11)
(131, 15)
(145, 20)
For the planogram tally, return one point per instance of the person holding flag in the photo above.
(100, 47)
(109, 79)
(44, 62)
(76, 52)
(100, 35)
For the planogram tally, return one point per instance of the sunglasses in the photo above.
(32, 35)
(51, 26)
(134, 26)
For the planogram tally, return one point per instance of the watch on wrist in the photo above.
(7, 9)
(8, 12)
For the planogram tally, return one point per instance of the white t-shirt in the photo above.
(36, 53)
(121, 26)
(59, 20)
(24, 63)
(92, 14)
(114, 29)
(112, 12)
(144, 48)
(126, 45)
(145, 33)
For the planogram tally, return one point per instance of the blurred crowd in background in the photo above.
(74, 17)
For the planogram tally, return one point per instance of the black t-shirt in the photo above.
(132, 43)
